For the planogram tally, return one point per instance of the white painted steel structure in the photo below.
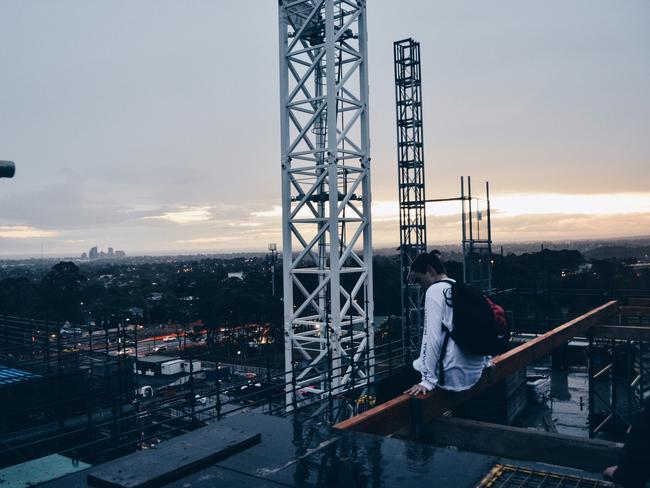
(327, 242)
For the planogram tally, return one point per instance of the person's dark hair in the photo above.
(424, 260)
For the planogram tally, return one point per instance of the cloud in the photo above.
(381, 210)
(276, 211)
(568, 204)
(208, 240)
(186, 215)
(24, 232)
(221, 226)
(515, 217)
(70, 205)
(556, 226)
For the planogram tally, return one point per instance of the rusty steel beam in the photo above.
(404, 410)
(384, 419)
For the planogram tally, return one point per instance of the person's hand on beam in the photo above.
(416, 390)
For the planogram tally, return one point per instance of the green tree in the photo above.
(60, 292)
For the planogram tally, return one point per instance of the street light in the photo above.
(7, 169)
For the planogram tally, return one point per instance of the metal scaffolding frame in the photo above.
(411, 182)
(65, 387)
(477, 251)
(619, 377)
(327, 242)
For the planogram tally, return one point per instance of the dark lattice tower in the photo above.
(410, 162)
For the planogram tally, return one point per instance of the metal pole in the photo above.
(614, 388)
(489, 235)
(591, 385)
(334, 289)
(287, 254)
(464, 225)
(471, 235)
(365, 160)
(47, 343)
(91, 379)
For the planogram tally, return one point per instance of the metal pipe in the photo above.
(603, 371)
(603, 423)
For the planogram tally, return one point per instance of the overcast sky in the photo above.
(153, 126)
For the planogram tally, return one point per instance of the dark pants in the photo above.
(634, 466)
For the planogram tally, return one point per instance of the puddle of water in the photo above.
(566, 410)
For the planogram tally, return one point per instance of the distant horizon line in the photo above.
(169, 253)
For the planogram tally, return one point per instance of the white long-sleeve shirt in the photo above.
(462, 370)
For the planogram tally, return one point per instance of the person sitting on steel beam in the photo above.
(442, 363)
(633, 469)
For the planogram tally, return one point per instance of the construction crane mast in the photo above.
(412, 200)
(325, 157)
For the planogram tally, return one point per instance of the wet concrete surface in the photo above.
(313, 455)
(292, 454)
(568, 406)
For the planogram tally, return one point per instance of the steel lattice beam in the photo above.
(410, 163)
(327, 243)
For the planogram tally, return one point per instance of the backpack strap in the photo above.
(445, 341)
(443, 353)
(451, 282)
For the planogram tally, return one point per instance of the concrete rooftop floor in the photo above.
(292, 454)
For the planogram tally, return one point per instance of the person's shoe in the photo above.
(609, 472)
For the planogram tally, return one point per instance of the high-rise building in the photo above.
(92, 254)
(110, 252)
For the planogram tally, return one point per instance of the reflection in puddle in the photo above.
(566, 411)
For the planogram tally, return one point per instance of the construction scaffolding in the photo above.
(477, 249)
(63, 387)
(476, 228)
(619, 371)
(91, 392)
(411, 183)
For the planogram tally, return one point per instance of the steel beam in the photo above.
(399, 413)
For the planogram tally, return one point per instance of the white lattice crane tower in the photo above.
(327, 241)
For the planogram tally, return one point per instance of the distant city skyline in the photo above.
(96, 253)
(125, 134)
